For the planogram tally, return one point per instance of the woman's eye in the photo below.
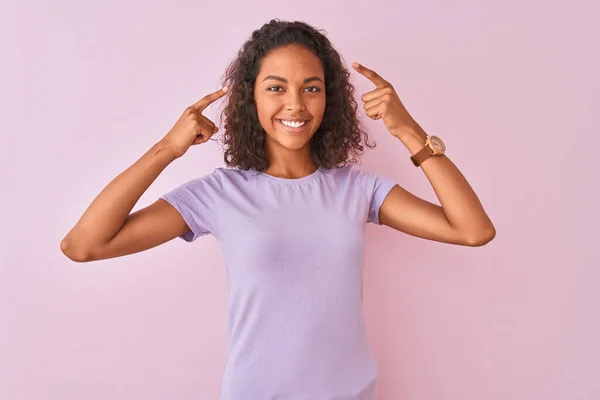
(314, 89)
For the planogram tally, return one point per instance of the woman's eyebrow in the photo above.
(280, 79)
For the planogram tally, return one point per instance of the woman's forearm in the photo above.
(461, 205)
(109, 210)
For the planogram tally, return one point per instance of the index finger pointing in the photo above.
(210, 98)
(370, 75)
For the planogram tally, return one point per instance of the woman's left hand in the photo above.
(383, 102)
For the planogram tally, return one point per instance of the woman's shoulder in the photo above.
(231, 175)
(348, 171)
(231, 172)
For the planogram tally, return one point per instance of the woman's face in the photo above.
(290, 89)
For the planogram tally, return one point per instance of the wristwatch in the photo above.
(433, 147)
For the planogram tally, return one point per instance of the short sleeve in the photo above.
(197, 201)
(376, 187)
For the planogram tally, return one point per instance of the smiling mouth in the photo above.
(294, 128)
(292, 124)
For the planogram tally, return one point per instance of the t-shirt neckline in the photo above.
(304, 179)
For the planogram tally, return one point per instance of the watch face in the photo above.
(437, 143)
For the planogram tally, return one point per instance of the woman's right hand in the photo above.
(192, 127)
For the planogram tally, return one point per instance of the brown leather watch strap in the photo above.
(421, 156)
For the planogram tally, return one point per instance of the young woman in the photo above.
(290, 215)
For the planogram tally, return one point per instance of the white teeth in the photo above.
(292, 124)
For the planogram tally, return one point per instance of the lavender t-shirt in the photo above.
(294, 252)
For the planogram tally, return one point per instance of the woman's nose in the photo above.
(295, 103)
(296, 107)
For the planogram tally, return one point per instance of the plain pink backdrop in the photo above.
(512, 87)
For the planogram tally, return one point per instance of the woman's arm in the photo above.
(109, 211)
(460, 220)
(106, 229)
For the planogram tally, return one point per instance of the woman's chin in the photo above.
(291, 142)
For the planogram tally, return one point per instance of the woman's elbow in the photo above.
(483, 237)
(72, 252)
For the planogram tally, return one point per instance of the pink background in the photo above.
(513, 89)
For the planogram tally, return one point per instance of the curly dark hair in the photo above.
(337, 140)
